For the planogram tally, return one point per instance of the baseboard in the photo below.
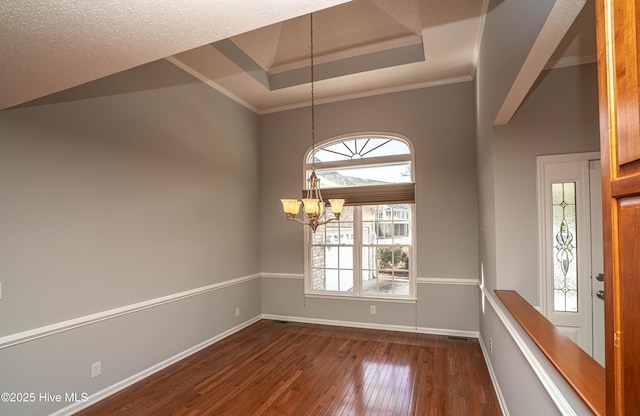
(104, 393)
(366, 325)
(494, 378)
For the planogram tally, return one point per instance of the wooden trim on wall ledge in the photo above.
(578, 368)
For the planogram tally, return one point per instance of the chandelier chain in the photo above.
(313, 203)
(313, 109)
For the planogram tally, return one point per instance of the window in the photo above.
(565, 274)
(369, 252)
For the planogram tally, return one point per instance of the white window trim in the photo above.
(413, 281)
(360, 298)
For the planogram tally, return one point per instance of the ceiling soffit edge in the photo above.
(560, 19)
(330, 69)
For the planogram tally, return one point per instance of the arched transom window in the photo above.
(362, 161)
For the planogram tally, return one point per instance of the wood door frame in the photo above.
(618, 63)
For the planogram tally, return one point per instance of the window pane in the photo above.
(346, 258)
(401, 287)
(564, 223)
(317, 279)
(346, 280)
(317, 253)
(370, 213)
(358, 148)
(347, 214)
(369, 233)
(369, 282)
(364, 175)
(331, 257)
(384, 231)
(401, 258)
(332, 280)
(384, 258)
(368, 259)
(346, 234)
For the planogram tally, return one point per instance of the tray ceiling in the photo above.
(257, 52)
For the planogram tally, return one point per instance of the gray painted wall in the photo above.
(112, 194)
(441, 308)
(440, 124)
(560, 115)
(504, 48)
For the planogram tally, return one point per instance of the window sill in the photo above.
(582, 372)
(360, 298)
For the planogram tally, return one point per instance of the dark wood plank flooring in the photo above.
(275, 368)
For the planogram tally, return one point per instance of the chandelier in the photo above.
(313, 204)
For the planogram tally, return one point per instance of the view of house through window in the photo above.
(369, 251)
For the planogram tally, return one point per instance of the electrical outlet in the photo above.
(372, 309)
(237, 310)
(96, 369)
(490, 344)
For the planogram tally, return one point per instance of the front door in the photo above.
(564, 194)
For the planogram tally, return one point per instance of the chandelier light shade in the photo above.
(313, 204)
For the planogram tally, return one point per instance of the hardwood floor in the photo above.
(276, 368)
